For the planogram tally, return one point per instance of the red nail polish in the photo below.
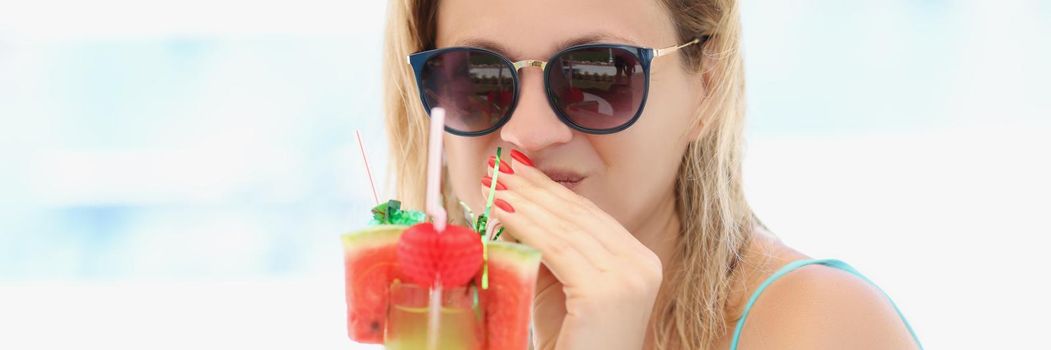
(500, 203)
(521, 157)
(504, 167)
(488, 181)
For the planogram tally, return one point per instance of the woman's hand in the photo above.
(598, 283)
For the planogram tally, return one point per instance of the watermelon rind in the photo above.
(372, 237)
(524, 257)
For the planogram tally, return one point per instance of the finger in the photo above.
(564, 261)
(536, 185)
(524, 175)
(538, 188)
(571, 208)
(550, 227)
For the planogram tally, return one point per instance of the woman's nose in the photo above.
(533, 125)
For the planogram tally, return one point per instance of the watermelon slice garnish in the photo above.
(508, 303)
(370, 256)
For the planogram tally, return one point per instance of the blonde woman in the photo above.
(625, 120)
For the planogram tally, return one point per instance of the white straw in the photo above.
(434, 170)
(438, 216)
(434, 313)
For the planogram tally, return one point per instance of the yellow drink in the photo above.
(460, 324)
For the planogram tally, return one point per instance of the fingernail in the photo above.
(488, 182)
(521, 157)
(500, 203)
(504, 167)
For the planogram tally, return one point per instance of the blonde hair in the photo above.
(716, 221)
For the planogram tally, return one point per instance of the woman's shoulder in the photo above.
(812, 307)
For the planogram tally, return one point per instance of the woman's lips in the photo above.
(567, 178)
(569, 184)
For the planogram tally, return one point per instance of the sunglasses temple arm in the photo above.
(669, 50)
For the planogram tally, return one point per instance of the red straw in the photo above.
(364, 157)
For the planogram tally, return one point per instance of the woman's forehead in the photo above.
(570, 40)
(538, 28)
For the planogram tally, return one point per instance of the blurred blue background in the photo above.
(176, 174)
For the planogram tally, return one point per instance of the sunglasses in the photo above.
(593, 88)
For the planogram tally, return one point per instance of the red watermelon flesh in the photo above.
(369, 258)
(508, 303)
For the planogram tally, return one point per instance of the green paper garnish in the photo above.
(482, 223)
(483, 220)
(479, 225)
(485, 265)
(390, 213)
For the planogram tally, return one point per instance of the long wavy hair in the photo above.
(716, 221)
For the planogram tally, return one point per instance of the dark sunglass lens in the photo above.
(476, 88)
(597, 88)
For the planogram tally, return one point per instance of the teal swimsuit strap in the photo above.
(833, 263)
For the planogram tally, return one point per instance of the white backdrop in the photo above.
(176, 174)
